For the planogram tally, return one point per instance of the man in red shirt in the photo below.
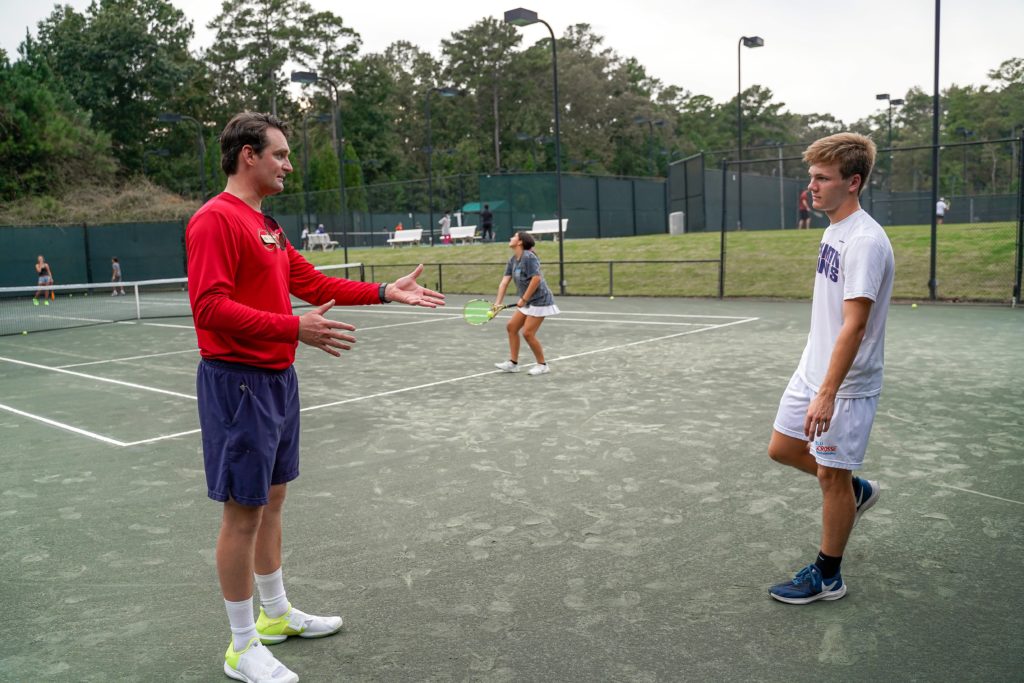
(805, 212)
(241, 272)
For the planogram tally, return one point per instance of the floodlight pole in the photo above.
(749, 41)
(892, 102)
(339, 142)
(525, 17)
(446, 91)
(175, 118)
(932, 283)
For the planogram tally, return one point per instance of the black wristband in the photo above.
(380, 292)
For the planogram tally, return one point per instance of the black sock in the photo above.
(828, 565)
(514, 362)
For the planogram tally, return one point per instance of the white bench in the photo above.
(464, 233)
(322, 240)
(549, 227)
(406, 237)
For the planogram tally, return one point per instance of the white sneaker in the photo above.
(255, 664)
(507, 366)
(114, 293)
(295, 622)
(539, 369)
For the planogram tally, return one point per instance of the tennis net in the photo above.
(53, 307)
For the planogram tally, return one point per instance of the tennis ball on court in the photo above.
(611, 297)
(913, 305)
(24, 331)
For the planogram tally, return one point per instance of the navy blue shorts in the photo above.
(250, 423)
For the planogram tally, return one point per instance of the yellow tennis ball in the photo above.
(24, 331)
(611, 297)
(913, 305)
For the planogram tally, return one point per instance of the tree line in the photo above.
(81, 102)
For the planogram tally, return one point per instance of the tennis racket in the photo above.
(480, 311)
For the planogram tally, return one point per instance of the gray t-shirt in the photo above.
(524, 270)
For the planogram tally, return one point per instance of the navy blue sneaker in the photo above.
(808, 586)
(865, 495)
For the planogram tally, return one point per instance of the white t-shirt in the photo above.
(855, 261)
(940, 208)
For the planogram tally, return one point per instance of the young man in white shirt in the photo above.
(826, 412)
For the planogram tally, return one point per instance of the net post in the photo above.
(138, 302)
(721, 254)
(1020, 221)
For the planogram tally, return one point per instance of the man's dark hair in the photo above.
(247, 128)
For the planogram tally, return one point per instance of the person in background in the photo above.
(941, 207)
(242, 273)
(305, 237)
(805, 212)
(535, 303)
(115, 276)
(446, 228)
(487, 224)
(44, 279)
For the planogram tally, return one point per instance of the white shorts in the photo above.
(844, 444)
(539, 311)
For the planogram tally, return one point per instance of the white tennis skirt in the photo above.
(539, 311)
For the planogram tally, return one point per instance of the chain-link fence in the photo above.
(974, 254)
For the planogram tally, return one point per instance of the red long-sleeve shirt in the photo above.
(239, 281)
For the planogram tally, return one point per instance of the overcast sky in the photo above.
(827, 58)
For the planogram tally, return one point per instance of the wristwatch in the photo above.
(380, 293)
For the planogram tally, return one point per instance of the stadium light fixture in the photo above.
(751, 42)
(525, 17)
(169, 117)
(309, 78)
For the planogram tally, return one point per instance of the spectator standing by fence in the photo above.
(115, 276)
(487, 224)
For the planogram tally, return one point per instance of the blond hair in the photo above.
(854, 153)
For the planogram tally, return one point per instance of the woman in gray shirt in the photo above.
(534, 304)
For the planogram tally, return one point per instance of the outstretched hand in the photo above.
(319, 332)
(406, 290)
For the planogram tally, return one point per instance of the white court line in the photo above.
(61, 425)
(85, 320)
(421, 386)
(118, 360)
(181, 327)
(161, 438)
(560, 319)
(97, 378)
(494, 372)
(979, 493)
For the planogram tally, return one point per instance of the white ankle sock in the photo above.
(243, 624)
(272, 595)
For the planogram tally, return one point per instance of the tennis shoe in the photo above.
(255, 664)
(295, 623)
(868, 496)
(35, 302)
(539, 369)
(507, 366)
(808, 586)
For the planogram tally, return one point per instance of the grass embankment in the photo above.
(975, 263)
(138, 200)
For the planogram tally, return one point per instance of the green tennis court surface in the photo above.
(615, 520)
